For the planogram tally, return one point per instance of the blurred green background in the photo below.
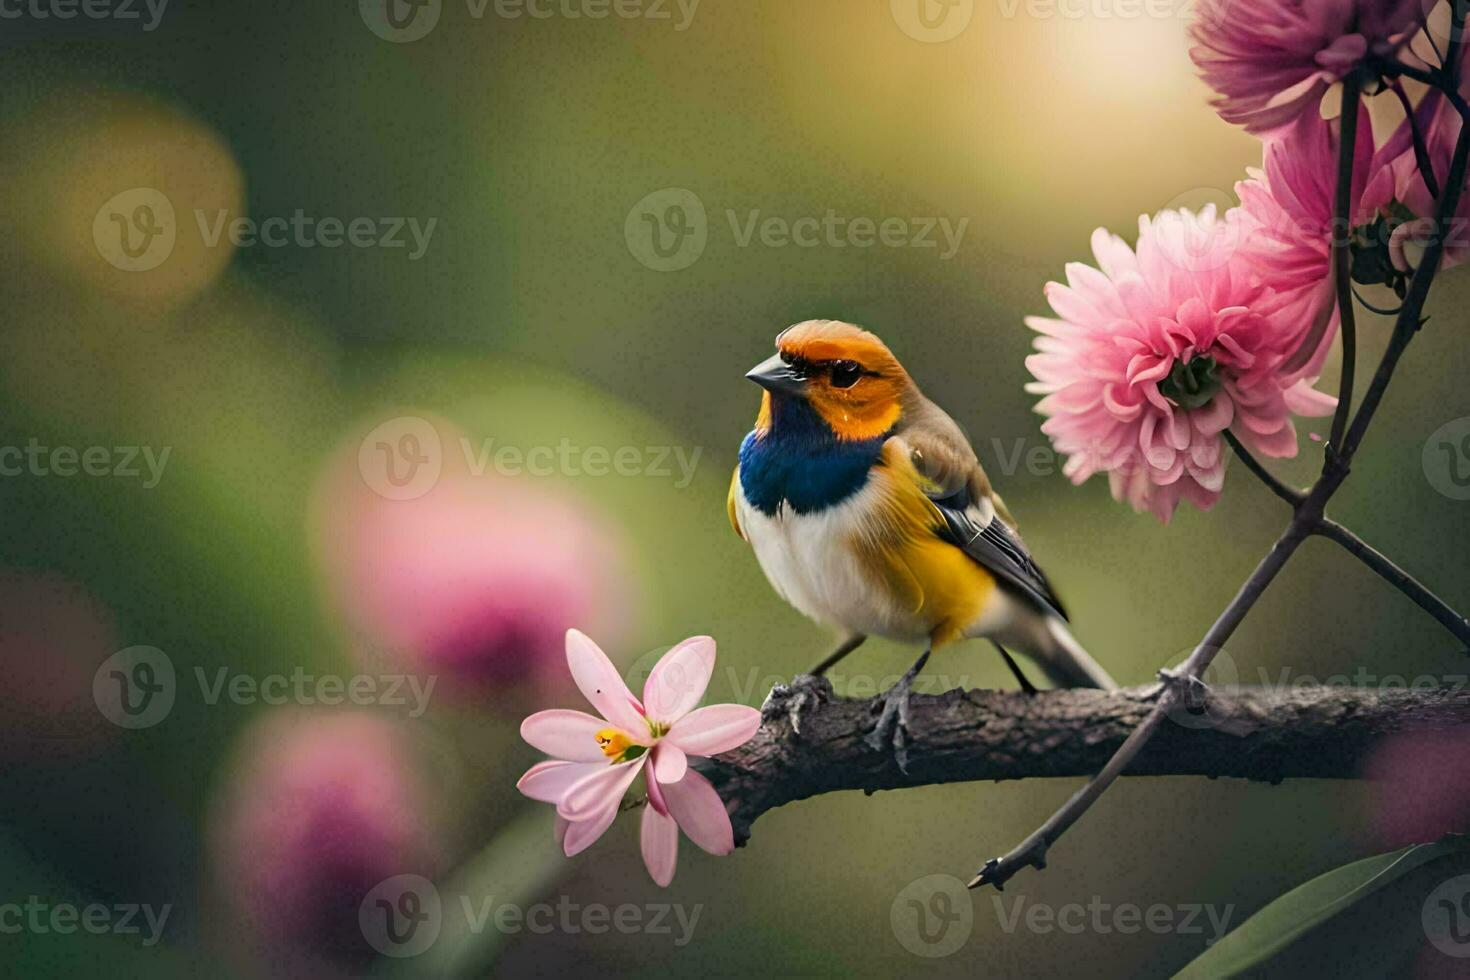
(533, 316)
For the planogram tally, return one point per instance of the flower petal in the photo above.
(605, 787)
(659, 838)
(669, 762)
(583, 834)
(715, 729)
(656, 796)
(549, 781)
(602, 685)
(678, 680)
(701, 813)
(566, 734)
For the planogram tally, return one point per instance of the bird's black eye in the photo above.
(846, 373)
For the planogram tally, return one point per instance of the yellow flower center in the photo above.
(613, 743)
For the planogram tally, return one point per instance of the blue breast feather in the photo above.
(801, 461)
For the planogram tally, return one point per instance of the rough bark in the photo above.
(1251, 733)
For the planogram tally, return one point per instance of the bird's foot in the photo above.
(892, 728)
(791, 701)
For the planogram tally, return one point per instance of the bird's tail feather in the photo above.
(1068, 664)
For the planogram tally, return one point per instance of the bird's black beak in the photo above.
(778, 377)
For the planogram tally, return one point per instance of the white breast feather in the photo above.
(810, 561)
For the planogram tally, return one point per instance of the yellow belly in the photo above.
(945, 588)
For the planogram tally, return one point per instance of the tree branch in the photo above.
(1260, 734)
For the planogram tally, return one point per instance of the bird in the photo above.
(869, 512)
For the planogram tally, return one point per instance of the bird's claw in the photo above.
(791, 701)
(892, 728)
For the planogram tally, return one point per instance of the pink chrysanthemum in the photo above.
(1272, 60)
(1291, 203)
(1150, 359)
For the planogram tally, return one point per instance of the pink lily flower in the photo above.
(597, 759)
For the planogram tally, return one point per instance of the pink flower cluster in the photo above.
(596, 759)
(1216, 323)
(1271, 61)
(1157, 352)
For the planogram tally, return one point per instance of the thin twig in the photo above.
(1291, 495)
(1342, 234)
(1397, 577)
(1421, 149)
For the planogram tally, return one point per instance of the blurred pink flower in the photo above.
(320, 808)
(1420, 787)
(1292, 203)
(597, 759)
(1150, 359)
(1272, 60)
(476, 580)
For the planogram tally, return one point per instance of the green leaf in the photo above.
(1307, 906)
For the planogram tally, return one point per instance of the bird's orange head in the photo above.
(846, 374)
